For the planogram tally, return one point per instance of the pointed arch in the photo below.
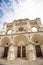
(37, 38)
(5, 41)
(21, 38)
(34, 29)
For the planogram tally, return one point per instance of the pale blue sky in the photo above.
(16, 9)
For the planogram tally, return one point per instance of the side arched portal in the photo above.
(37, 39)
(5, 43)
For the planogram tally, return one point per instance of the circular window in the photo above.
(36, 41)
(7, 43)
(20, 29)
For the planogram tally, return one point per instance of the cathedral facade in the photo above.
(22, 38)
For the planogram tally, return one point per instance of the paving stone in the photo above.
(38, 61)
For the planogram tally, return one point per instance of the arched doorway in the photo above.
(21, 41)
(21, 52)
(38, 51)
(37, 39)
(5, 42)
(5, 52)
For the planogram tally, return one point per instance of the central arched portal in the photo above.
(21, 52)
(21, 42)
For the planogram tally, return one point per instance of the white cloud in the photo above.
(24, 9)
(30, 9)
(1, 27)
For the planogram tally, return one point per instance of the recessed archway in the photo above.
(38, 51)
(21, 41)
(5, 42)
(21, 38)
(34, 29)
(9, 31)
(37, 39)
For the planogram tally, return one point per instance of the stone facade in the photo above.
(22, 38)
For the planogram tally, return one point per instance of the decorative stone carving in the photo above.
(22, 36)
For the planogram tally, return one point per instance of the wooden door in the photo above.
(19, 51)
(6, 52)
(23, 51)
(38, 51)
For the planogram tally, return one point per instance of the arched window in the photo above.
(9, 32)
(34, 29)
(3, 33)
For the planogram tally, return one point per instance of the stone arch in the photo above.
(9, 31)
(35, 27)
(38, 41)
(5, 41)
(21, 38)
(21, 41)
(37, 38)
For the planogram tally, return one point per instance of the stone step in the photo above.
(21, 62)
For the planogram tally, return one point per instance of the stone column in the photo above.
(1, 51)
(31, 54)
(27, 52)
(28, 28)
(12, 53)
